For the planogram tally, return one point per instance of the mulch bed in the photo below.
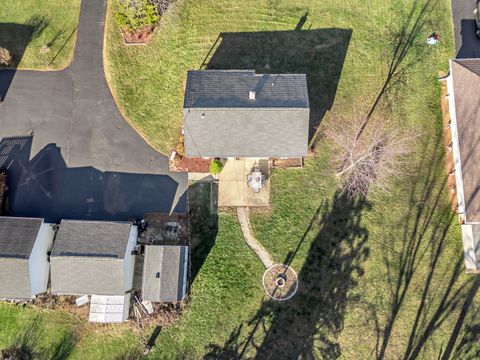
(139, 37)
(186, 164)
(447, 137)
(280, 282)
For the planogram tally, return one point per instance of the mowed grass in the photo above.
(39, 34)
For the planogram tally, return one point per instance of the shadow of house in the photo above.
(45, 187)
(203, 222)
(307, 325)
(318, 53)
(470, 41)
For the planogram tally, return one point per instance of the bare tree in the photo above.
(370, 159)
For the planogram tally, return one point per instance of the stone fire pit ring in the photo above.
(280, 282)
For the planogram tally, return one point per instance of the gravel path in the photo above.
(242, 214)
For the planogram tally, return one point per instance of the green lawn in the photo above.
(381, 277)
(40, 34)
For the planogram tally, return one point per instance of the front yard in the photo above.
(381, 277)
(39, 34)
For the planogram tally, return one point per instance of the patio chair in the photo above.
(264, 180)
(256, 189)
(249, 180)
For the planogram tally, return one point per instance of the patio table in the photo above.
(256, 180)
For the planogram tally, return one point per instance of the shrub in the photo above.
(216, 166)
(5, 57)
(136, 14)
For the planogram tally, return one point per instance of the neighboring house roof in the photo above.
(165, 271)
(220, 119)
(230, 89)
(17, 236)
(466, 83)
(92, 239)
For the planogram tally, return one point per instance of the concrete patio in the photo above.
(233, 189)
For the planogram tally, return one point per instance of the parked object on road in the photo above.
(476, 15)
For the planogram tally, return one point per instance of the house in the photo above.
(165, 270)
(231, 114)
(24, 247)
(93, 257)
(463, 84)
(247, 121)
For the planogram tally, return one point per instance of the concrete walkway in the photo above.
(242, 214)
(84, 160)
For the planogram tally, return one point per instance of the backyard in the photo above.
(380, 277)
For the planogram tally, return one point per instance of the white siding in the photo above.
(38, 264)
(455, 144)
(129, 261)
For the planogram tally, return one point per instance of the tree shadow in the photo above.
(15, 38)
(404, 52)
(45, 187)
(28, 344)
(414, 258)
(307, 325)
(318, 53)
(203, 222)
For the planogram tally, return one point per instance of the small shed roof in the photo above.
(165, 271)
(18, 235)
(92, 239)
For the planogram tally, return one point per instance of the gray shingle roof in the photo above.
(221, 121)
(92, 238)
(169, 262)
(227, 88)
(17, 236)
(466, 84)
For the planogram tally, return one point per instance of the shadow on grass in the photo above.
(413, 263)
(203, 222)
(15, 38)
(306, 326)
(29, 344)
(318, 53)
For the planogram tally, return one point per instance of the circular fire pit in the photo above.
(280, 282)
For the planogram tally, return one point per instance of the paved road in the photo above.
(83, 160)
(467, 44)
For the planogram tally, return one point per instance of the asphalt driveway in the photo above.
(467, 44)
(69, 152)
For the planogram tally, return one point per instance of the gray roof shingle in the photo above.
(169, 262)
(92, 239)
(17, 236)
(230, 88)
(221, 121)
(466, 84)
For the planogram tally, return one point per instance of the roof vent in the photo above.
(251, 95)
